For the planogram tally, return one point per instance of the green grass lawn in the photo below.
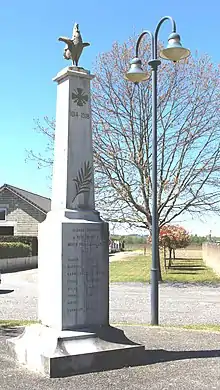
(12, 323)
(137, 269)
(198, 327)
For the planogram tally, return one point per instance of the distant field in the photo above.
(191, 252)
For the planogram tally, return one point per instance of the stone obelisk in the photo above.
(74, 335)
(73, 279)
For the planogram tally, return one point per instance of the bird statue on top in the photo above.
(74, 45)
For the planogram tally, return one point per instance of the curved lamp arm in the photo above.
(139, 40)
(158, 28)
(154, 38)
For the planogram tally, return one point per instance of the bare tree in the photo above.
(47, 129)
(188, 138)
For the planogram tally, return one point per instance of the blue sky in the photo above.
(30, 56)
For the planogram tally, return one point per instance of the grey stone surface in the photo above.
(174, 359)
(64, 353)
(73, 241)
(179, 304)
(18, 264)
(73, 178)
(76, 294)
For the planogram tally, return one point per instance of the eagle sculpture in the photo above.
(74, 46)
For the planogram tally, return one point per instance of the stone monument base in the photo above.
(65, 353)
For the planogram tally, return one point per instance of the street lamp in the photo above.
(174, 52)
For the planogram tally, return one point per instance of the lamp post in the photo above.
(174, 52)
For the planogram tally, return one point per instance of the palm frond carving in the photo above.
(83, 179)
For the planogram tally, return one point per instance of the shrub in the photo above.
(173, 237)
(14, 249)
(29, 240)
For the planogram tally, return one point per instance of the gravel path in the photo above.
(129, 302)
(174, 359)
(123, 255)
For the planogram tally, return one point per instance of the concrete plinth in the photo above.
(65, 353)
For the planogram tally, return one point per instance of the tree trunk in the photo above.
(164, 256)
(170, 257)
(170, 251)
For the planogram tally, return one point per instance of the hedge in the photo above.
(29, 240)
(14, 249)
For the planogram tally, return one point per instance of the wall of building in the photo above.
(211, 256)
(18, 264)
(21, 214)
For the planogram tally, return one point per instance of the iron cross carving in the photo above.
(79, 97)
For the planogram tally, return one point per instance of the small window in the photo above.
(6, 230)
(2, 214)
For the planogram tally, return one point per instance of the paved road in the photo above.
(130, 303)
(174, 359)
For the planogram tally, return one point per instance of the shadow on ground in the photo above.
(195, 259)
(6, 291)
(187, 268)
(191, 267)
(182, 272)
(161, 355)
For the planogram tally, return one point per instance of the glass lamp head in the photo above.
(174, 50)
(136, 73)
